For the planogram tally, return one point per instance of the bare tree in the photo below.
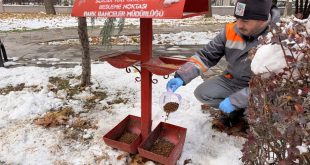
(106, 33)
(49, 7)
(86, 67)
(302, 9)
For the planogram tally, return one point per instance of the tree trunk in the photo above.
(288, 8)
(302, 10)
(306, 8)
(86, 69)
(49, 7)
(209, 14)
(307, 13)
(296, 7)
(301, 6)
(1, 6)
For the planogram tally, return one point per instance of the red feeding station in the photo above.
(138, 129)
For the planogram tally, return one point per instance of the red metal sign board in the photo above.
(129, 8)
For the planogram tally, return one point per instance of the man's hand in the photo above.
(174, 84)
(226, 106)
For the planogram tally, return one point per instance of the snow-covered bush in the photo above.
(279, 105)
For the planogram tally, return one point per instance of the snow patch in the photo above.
(271, 58)
(169, 2)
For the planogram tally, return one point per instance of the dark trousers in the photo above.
(216, 89)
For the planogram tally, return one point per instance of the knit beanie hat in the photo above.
(253, 9)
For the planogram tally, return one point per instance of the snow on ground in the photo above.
(23, 142)
(184, 38)
(41, 21)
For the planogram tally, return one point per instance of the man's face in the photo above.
(250, 27)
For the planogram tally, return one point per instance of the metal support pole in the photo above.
(1, 59)
(2, 48)
(146, 33)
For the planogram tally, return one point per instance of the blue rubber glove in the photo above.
(174, 84)
(226, 106)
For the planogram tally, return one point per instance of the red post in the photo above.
(146, 33)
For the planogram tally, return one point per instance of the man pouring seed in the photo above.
(229, 91)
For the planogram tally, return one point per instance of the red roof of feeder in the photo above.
(160, 9)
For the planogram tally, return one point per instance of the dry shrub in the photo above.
(82, 124)
(18, 87)
(57, 83)
(279, 105)
(92, 101)
(55, 117)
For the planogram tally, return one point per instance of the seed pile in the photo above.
(128, 137)
(171, 107)
(162, 147)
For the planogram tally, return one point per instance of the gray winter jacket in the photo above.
(234, 46)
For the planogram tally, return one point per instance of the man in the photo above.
(229, 91)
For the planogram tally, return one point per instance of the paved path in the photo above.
(26, 45)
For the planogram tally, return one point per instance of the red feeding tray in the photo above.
(164, 65)
(131, 124)
(171, 133)
(122, 60)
